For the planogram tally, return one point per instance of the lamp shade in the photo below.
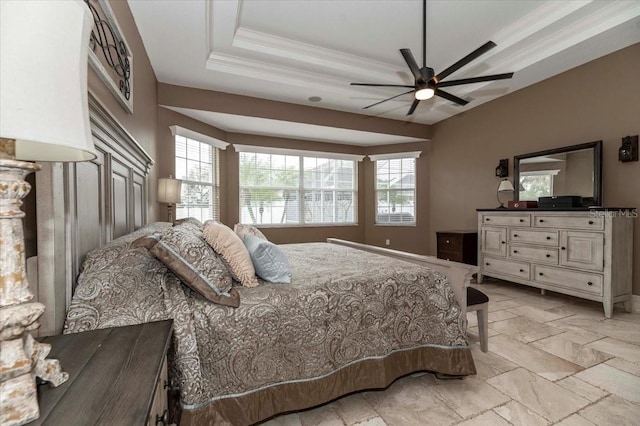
(169, 190)
(43, 79)
(505, 185)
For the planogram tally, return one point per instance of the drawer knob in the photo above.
(521, 220)
(548, 238)
(541, 220)
(563, 248)
(515, 251)
(540, 273)
(589, 283)
(515, 235)
(521, 270)
(503, 242)
(487, 219)
(487, 263)
(590, 222)
(447, 241)
(548, 255)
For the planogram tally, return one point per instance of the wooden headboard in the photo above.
(107, 197)
(81, 206)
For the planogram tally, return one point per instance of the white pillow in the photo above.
(227, 244)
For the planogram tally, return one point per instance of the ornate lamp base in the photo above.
(21, 357)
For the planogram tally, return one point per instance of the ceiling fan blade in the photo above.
(388, 99)
(450, 97)
(476, 79)
(413, 106)
(464, 61)
(413, 65)
(381, 85)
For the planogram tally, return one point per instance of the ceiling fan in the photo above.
(427, 83)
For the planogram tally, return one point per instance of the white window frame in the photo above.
(216, 145)
(301, 189)
(395, 156)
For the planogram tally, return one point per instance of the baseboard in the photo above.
(635, 304)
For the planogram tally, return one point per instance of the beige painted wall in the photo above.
(597, 101)
(455, 173)
(407, 238)
(402, 238)
(142, 123)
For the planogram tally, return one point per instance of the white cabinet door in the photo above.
(494, 241)
(583, 250)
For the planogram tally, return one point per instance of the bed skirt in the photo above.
(372, 373)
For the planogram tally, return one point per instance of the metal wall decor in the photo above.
(114, 65)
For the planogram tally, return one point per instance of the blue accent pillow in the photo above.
(268, 260)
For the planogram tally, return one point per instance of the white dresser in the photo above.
(583, 253)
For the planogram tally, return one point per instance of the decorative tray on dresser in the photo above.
(117, 376)
(586, 253)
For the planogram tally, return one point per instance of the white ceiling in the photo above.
(291, 50)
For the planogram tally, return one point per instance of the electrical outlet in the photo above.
(388, 242)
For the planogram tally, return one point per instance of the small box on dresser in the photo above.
(586, 253)
(117, 376)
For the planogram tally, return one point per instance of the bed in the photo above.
(351, 319)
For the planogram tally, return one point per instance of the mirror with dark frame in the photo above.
(569, 170)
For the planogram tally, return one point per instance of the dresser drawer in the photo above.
(506, 219)
(583, 282)
(160, 407)
(454, 256)
(535, 254)
(506, 267)
(579, 222)
(547, 238)
(449, 241)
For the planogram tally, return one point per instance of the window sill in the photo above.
(304, 225)
(409, 225)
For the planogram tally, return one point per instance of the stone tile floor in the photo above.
(552, 360)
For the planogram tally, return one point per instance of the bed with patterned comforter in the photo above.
(350, 320)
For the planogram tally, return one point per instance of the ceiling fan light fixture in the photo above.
(424, 93)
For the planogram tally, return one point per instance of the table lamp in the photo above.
(169, 191)
(504, 186)
(44, 116)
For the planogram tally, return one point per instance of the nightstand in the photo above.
(458, 246)
(117, 376)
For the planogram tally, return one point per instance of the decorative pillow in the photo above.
(268, 260)
(227, 244)
(192, 220)
(188, 256)
(244, 230)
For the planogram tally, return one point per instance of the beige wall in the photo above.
(402, 238)
(597, 101)
(207, 100)
(407, 238)
(142, 123)
(455, 173)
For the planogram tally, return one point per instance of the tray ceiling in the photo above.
(292, 51)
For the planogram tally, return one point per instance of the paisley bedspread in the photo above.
(345, 310)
